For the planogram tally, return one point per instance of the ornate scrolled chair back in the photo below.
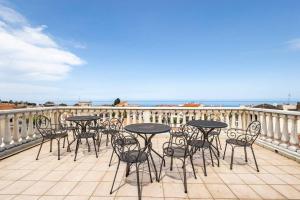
(253, 131)
(115, 124)
(62, 119)
(122, 146)
(43, 125)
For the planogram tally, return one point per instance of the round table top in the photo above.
(207, 124)
(147, 128)
(82, 118)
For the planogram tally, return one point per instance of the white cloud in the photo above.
(294, 44)
(28, 53)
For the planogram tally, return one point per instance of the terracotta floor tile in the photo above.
(61, 188)
(266, 192)
(84, 188)
(220, 191)
(244, 192)
(288, 191)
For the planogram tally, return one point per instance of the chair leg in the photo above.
(217, 146)
(111, 190)
(254, 159)
(127, 169)
(64, 142)
(219, 142)
(112, 153)
(191, 158)
(246, 159)
(87, 141)
(37, 157)
(95, 146)
(106, 139)
(204, 164)
(149, 168)
(211, 157)
(225, 151)
(232, 153)
(58, 148)
(171, 165)
(50, 145)
(161, 164)
(99, 142)
(184, 177)
(138, 181)
(68, 148)
(76, 149)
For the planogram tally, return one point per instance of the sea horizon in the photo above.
(212, 102)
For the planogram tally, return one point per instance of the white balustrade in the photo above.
(279, 128)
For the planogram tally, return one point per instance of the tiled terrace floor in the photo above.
(22, 177)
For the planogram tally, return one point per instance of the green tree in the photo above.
(117, 101)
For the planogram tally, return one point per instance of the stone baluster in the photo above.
(7, 131)
(134, 116)
(248, 119)
(159, 113)
(285, 132)
(270, 133)
(277, 133)
(15, 136)
(128, 117)
(227, 117)
(263, 126)
(31, 131)
(24, 128)
(202, 114)
(140, 116)
(153, 116)
(1, 130)
(294, 140)
(233, 119)
(240, 120)
(197, 114)
(146, 116)
(183, 117)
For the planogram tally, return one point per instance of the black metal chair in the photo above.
(196, 140)
(178, 147)
(109, 128)
(243, 138)
(50, 131)
(215, 136)
(68, 126)
(87, 134)
(131, 154)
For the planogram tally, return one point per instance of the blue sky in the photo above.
(149, 49)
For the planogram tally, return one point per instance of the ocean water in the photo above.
(223, 103)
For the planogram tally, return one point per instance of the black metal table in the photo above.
(206, 127)
(147, 131)
(82, 121)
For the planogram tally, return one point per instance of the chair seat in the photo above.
(110, 132)
(199, 143)
(97, 128)
(86, 135)
(177, 134)
(178, 152)
(128, 141)
(133, 156)
(214, 133)
(56, 135)
(237, 142)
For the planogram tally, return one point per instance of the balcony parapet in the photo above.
(279, 128)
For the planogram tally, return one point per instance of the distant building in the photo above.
(289, 107)
(7, 106)
(84, 104)
(192, 105)
(49, 104)
(122, 104)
